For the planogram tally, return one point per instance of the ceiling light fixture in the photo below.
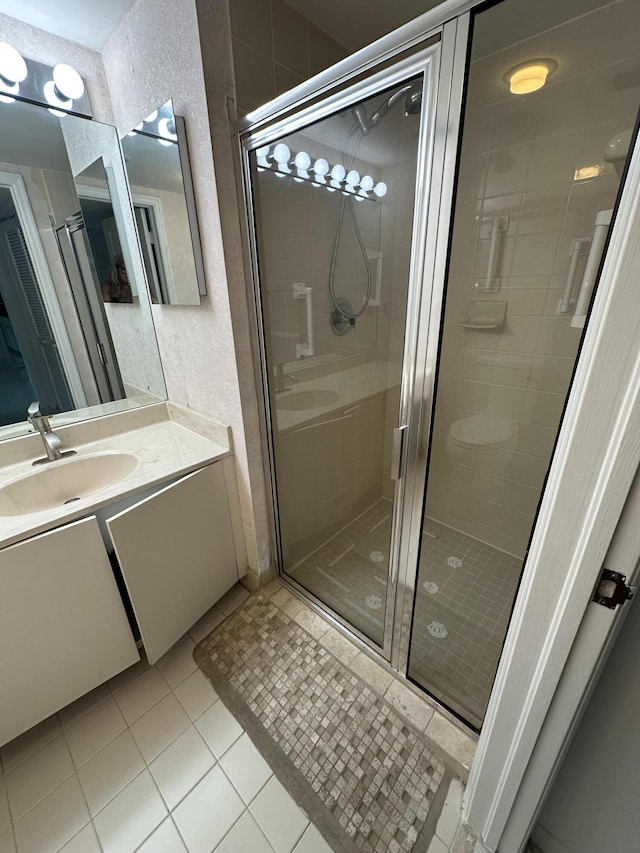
(529, 76)
(586, 172)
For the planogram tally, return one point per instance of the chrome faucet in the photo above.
(51, 441)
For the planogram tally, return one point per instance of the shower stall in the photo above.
(422, 275)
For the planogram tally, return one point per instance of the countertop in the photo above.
(345, 388)
(165, 443)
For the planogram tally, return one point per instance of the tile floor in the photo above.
(151, 761)
(464, 596)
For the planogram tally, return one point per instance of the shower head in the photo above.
(413, 103)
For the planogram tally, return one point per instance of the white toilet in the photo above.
(472, 439)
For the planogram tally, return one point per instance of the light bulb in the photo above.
(261, 157)
(10, 89)
(302, 160)
(68, 82)
(353, 178)
(321, 167)
(53, 97)
(166, 129)
(380, 189)
(367, 183)
(12, 66)
(281, 153)
(338, 173)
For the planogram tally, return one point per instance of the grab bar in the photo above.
(575, 253)
(305, 291)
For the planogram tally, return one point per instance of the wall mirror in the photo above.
(62, 341)
(157, 163)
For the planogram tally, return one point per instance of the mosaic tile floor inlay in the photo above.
(369, 780)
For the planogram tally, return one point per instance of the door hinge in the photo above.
(612, 589)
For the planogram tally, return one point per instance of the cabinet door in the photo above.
(63, 629)
(176, 554)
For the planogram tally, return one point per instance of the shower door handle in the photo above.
(396, 452)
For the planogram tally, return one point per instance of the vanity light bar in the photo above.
(60, 88)
(300, 167)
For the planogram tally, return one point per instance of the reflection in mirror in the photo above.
(60, 342)
(157, 163)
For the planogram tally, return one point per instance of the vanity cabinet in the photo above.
(63, 624)
(176, 554)
(63, 629)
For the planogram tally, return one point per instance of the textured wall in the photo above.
(44, 47)
(155, 55)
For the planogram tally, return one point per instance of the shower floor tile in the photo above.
(464, 595)
(349, 572)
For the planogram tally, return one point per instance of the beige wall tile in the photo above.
(251, 23)
(290, 38)
(254, 76)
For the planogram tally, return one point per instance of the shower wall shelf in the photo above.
(485, 316)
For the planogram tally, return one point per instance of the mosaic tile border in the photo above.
(368, 779)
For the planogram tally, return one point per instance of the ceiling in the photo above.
(88, 22)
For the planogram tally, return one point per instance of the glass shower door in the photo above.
(333, 206)
(539, 175)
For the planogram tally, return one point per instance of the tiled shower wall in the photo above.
(519, 157)
(274, 49)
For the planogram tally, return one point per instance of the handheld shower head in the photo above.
(362, 120)
(413, 103)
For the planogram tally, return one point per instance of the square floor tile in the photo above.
(165, 839)
(208, 812)
(196, 694)
(278, 817)
(129, 673)
(219, 728)
(312, 842)
(246, 768)
(7, 844)
(181, 766)
(141, 693)
(131, 816)
(95, 730)
(86, 841)
(54, 820)
(244, 837)
(111, 770)
(73, 712)
(38, 776)
(159, 727)
(19, 749)
(178, 662)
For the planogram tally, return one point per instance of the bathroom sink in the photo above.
(299, 401)
(65, 481)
